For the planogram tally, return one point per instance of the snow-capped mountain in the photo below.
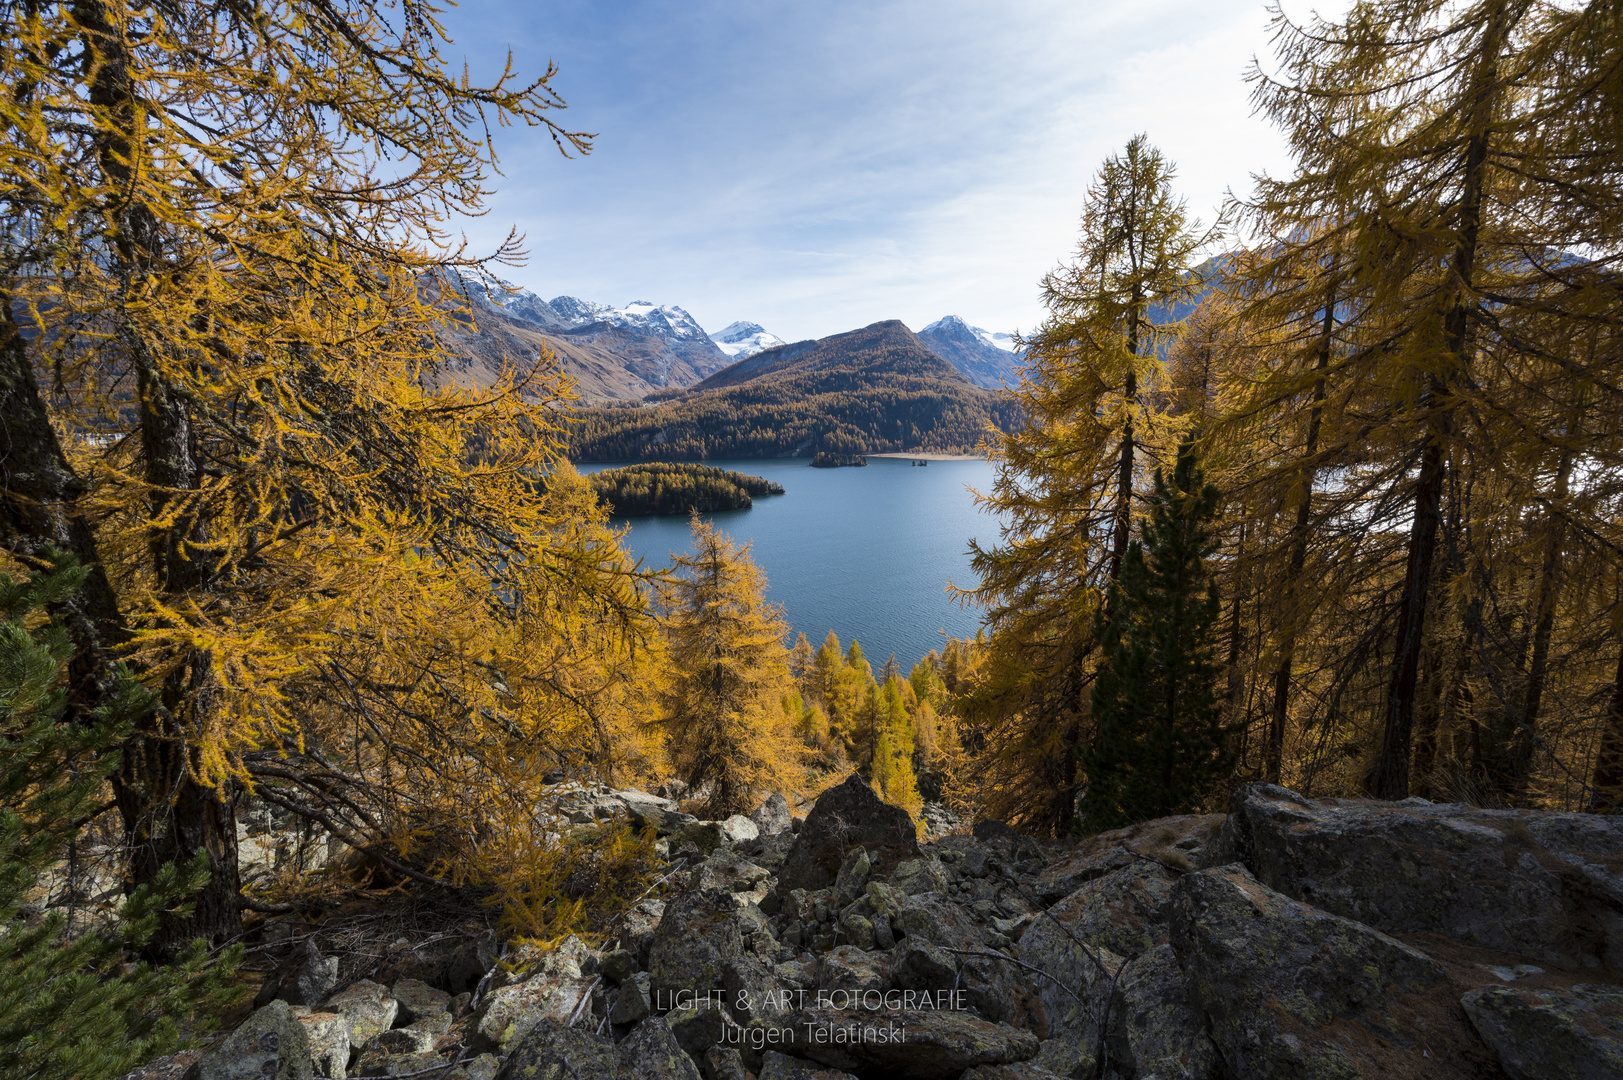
(744, 339)
(953, 323)
(986, 359)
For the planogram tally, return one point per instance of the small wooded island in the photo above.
(826, 460)
(667, 488)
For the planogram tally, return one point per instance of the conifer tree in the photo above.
(1091, 396)
(1161, 747)
(69, 1005)
(722, 705)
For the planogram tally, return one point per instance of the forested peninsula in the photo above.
(664, 488)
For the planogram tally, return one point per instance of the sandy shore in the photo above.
(933, 457)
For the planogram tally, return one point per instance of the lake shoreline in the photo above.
(931, 456)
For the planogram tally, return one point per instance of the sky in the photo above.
(818, 165)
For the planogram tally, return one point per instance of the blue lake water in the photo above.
(864, 552)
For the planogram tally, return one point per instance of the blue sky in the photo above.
(818, 165)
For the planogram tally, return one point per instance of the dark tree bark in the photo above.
(169, 816)
(1275, 754)
(1607, 785)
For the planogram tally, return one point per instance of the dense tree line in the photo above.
(870, 401)
(1408, 388)
(666, 488)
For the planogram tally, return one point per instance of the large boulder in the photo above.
(1289, 991)
(312, 977)
(328, 1035)
(989, 982)
(554, 1051)
(1124, 911)
(368, 1009)
(1155, 1034)
(1534, 883)
(847, 816)
(651, 1052)
(1540, 1034)
(697, 938)
(772, 816)
(1071, 978)
(776, 1066)
(270, 1045)
(507, 1015)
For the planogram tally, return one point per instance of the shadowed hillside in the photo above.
(872, 390)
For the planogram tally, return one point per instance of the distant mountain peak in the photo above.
(987, 359)
(744, 339)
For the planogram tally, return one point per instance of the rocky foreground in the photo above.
(1290, 938)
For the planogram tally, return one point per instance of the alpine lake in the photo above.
(866, 552)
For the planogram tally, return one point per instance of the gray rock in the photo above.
(729, 872)
(920, 876)
(737, 829)
(482, 1067)
(368, 1008)
(848, 973)
(270, 1045)
(1020, 1070)
(1065, 1058)
(618, 965)
(853, 875)
(508, 1015)
(1539, 1034)
(646, 810)
(776, 1066)
(707, 836)
(633, 1001)
(697, 1028)
(312, 979)
(724, 1062)
(846, 816)
(328, 1035)
(772, 816)
(917, 964)
(1064, 876)
(1125, 911)
(1074, 987)
(379, 1062)
(1276, 979)
(406, 1040)
(1535, 883)
(418, 999)
(856, 929)
(1155, 1034)
(753, 990)
(553, 1051)
(922, 1045)
(696, 940)
(651, 1052)
(990, 985)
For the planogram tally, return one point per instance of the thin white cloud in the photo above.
(818, 166)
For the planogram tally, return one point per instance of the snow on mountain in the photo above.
(985, 359)
(952, 323)
(744, 339)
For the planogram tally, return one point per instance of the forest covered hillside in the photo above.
(871, 390)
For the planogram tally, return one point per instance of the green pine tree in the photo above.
(69, 1007)
(1161, 745)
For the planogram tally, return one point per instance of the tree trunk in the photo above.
(1520, 760)
(1124, 471)
(1390, 778)
(1274, 763)
(169, 816)
(1607, 786)
(39, 494)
